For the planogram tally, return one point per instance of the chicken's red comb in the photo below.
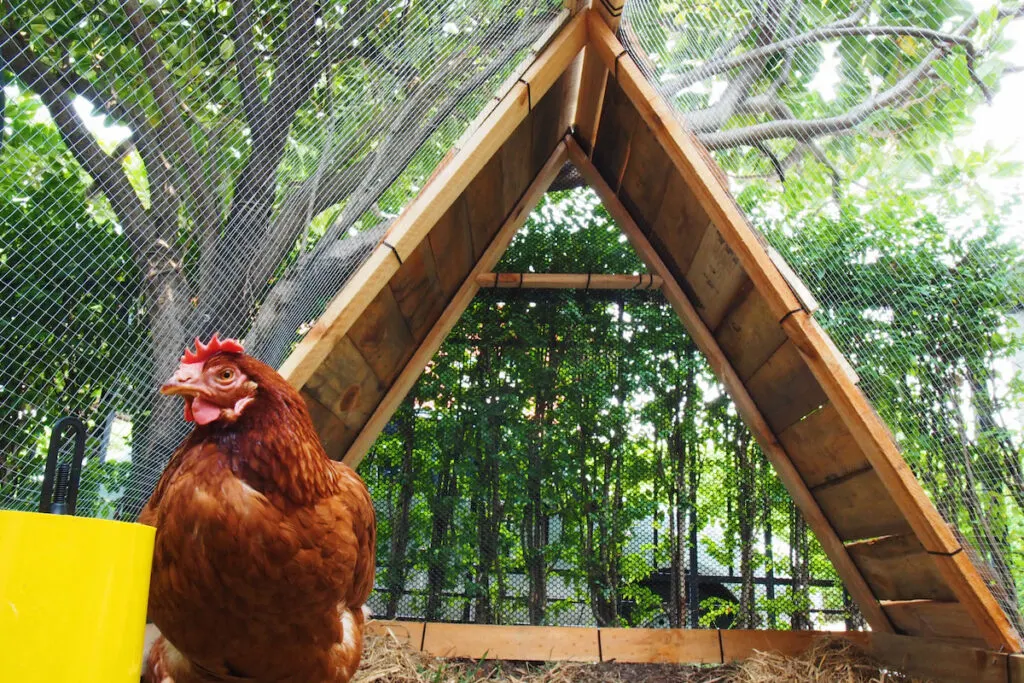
(203, 352)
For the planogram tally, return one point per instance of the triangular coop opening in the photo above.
(749, 316)
(568, 458)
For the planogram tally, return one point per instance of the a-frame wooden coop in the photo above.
(583, 99)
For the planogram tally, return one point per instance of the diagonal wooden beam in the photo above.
(705, 340)
(696, 168)
(451, 314)
(594, 76)
(411, 228)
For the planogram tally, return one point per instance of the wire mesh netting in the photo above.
(171, 169)
(849, 131)
(175, 169)
(569, 458)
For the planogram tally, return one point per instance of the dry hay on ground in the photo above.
(386, 660)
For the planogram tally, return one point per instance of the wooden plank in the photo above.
(532, 643)
(567, 281)
(610, 12)
(715, 277)
(880, 449)
(382, 337)
(432, 202)
(551, 119)
(666, 646)
(614, 132)
(408, 633)
(334, 434)
(516, 167)
(859, 507)
(418, 292)
(432, 342)
(784, 388)
(452, 244)
(738, 644)
(937, 660)
(749, 335)
(899, 568)
(679, 226)
(822, 448)
(484, 205)
(647, 173)
(933, 619)
(593, 78)
(685, 152)
(346, 385)
(745, 405)
(807, 300)
(1016, 673)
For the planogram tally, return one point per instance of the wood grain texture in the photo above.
(715, 278)
(346, 385)
(516, 166)
(452, 245)
(536, 643)
(668, 646)
(784, 388)
(934, 619)
(485, 205)
(749, 335)
(642, 281)
(679, 226)
(879, 447)
(417, 291)
(334, 434)
(614, 132)
(938, 660)
(645, 178)
(859, 507)
(551, 119)
(822, 447)
(899, 568)
(382, 337)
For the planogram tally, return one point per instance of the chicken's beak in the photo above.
(184, 381)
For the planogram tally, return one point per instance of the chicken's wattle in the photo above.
(201, 411)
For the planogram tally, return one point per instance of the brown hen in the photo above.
(264, 553)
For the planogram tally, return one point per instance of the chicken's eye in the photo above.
(226, 374)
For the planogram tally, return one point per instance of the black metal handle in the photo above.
(60, 483)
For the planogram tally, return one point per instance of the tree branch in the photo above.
(180, 142)
(245, 64)
(57, 90)
(809, 129)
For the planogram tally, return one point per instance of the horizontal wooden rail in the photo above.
(567, 281)
(933, 659)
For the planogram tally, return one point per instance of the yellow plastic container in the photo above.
(73, 595)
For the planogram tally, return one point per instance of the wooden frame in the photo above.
(959, 605)
(936, 660)
(641, 281)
